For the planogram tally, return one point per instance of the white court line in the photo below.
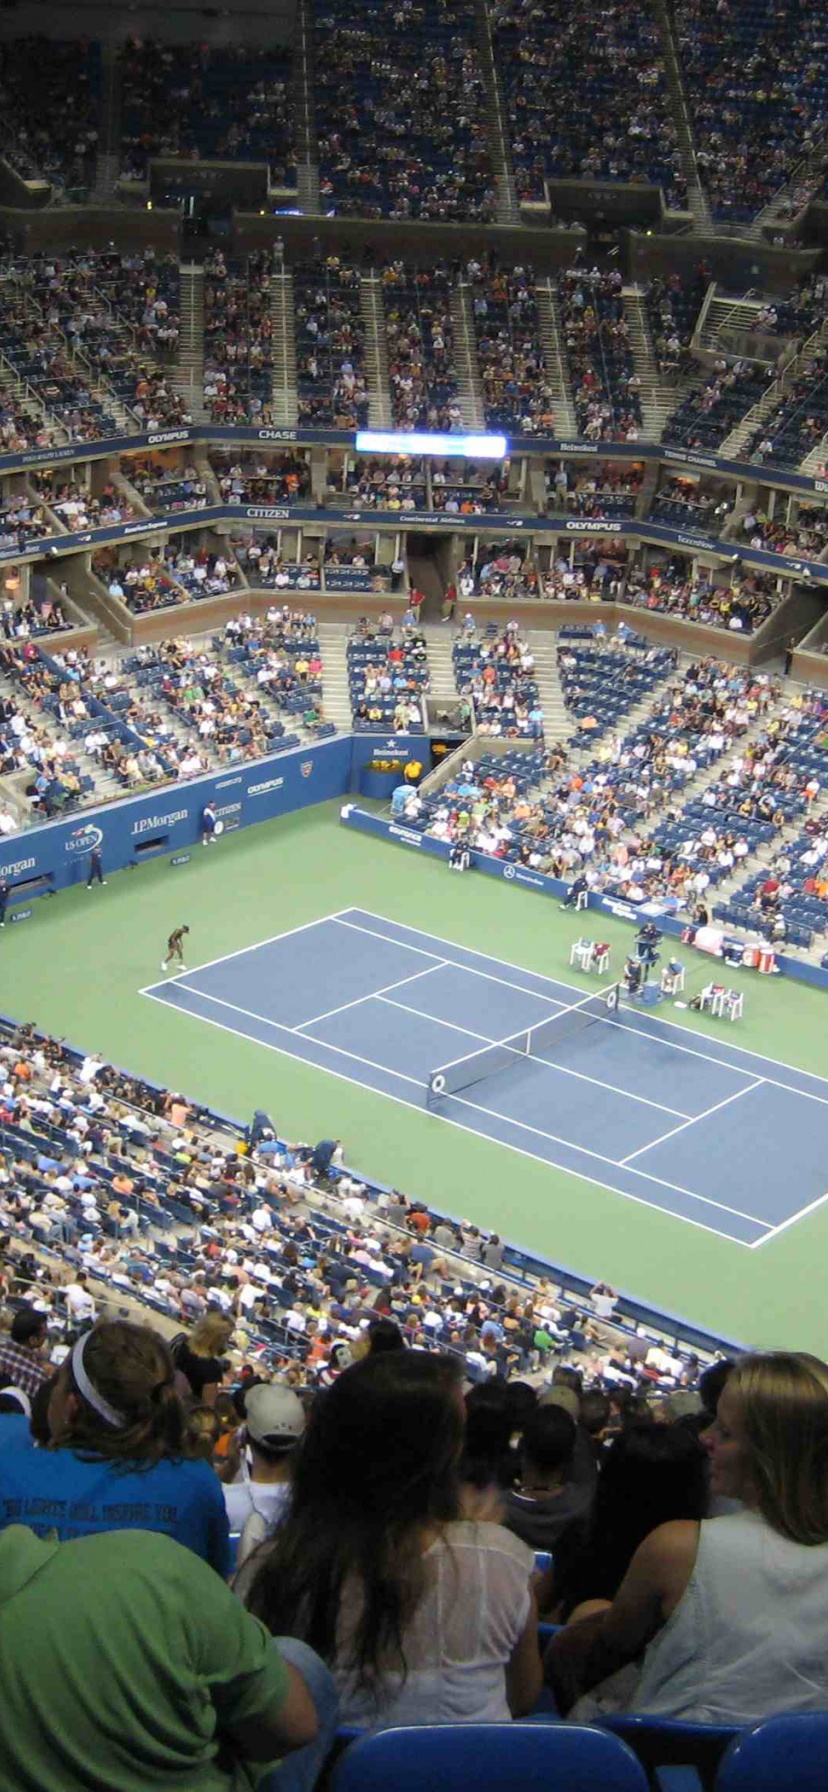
(578, 990)
(549, 1163)
(791, 1220)
(416, 1083)
(240, 952)
(584, 1150)
(692, 1121)
(453, 965)
(597, 1081)
(356, 1001)
(265, 1021)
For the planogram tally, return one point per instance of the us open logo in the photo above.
(306, 768)
(84, 839)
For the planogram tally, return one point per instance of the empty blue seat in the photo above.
(783, 1754)
(490, 1758)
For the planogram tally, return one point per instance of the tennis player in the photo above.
(175, 948)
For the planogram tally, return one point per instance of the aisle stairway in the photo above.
(508, 207)
(557, 724)
(557, 371)
(307, 166)
(189, 369)
(657, 400)
(376, 351)
(108, 164)
(442, 687)
(697, 201)
(336, 702)
(470, 392)
(283, 399)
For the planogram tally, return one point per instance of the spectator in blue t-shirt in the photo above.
(117, 1459)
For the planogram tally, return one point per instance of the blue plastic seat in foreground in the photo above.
(490, 1758)
(666, 1742)
(784, 1754)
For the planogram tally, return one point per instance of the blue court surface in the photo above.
(721, 1137)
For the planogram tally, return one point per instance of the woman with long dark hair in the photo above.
(650, 1475)
(421, 1615)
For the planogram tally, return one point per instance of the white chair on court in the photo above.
(581, 953)
(672, 978)
(600, 958)
(581, 900)
(734, 1004)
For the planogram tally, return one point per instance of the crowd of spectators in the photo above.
(222, 703)
(670, 587)
(586, 96)
(388, 675)
(197, 102)
(754, 78)
(59, 779)
(596, 340)
(604, 488)
(401, 111)
(422, 373)
(58, 383)
(708, 414)
(120, 315)
(687, 502)
(331, 377)
(673, 302)
(598, 820)
(50, 95)
(798, 424)
(238, 330)
(22, 523)
(804, 535)
(395, 482)
(166, 487)
(501, 569)
(516, 392)
(77, 507)
(495, 671)
(464, 488)
(248, 478)
(266, 565)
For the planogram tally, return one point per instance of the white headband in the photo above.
(90, 1394)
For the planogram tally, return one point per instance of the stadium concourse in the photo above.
(414, 556)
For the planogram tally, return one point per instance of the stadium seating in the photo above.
(586, 98)
(401, 112)
(330, 344)
(490, 1758)
(231, 103)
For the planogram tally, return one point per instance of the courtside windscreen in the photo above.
(412, 441)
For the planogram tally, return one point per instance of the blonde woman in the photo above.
(731, 1610)
(200, 1357)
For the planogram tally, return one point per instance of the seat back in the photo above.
(490, 1758)
(667, 1742)
(784, 1754)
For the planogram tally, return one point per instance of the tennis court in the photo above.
(718, 1136)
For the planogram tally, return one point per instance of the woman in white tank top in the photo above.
(732, 1612)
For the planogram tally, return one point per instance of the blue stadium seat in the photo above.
(490, 1758)
(661, 1742)
(789, 1753)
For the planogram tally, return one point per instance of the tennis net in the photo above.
(502, 1054)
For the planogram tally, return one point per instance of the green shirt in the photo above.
(126, 1664)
